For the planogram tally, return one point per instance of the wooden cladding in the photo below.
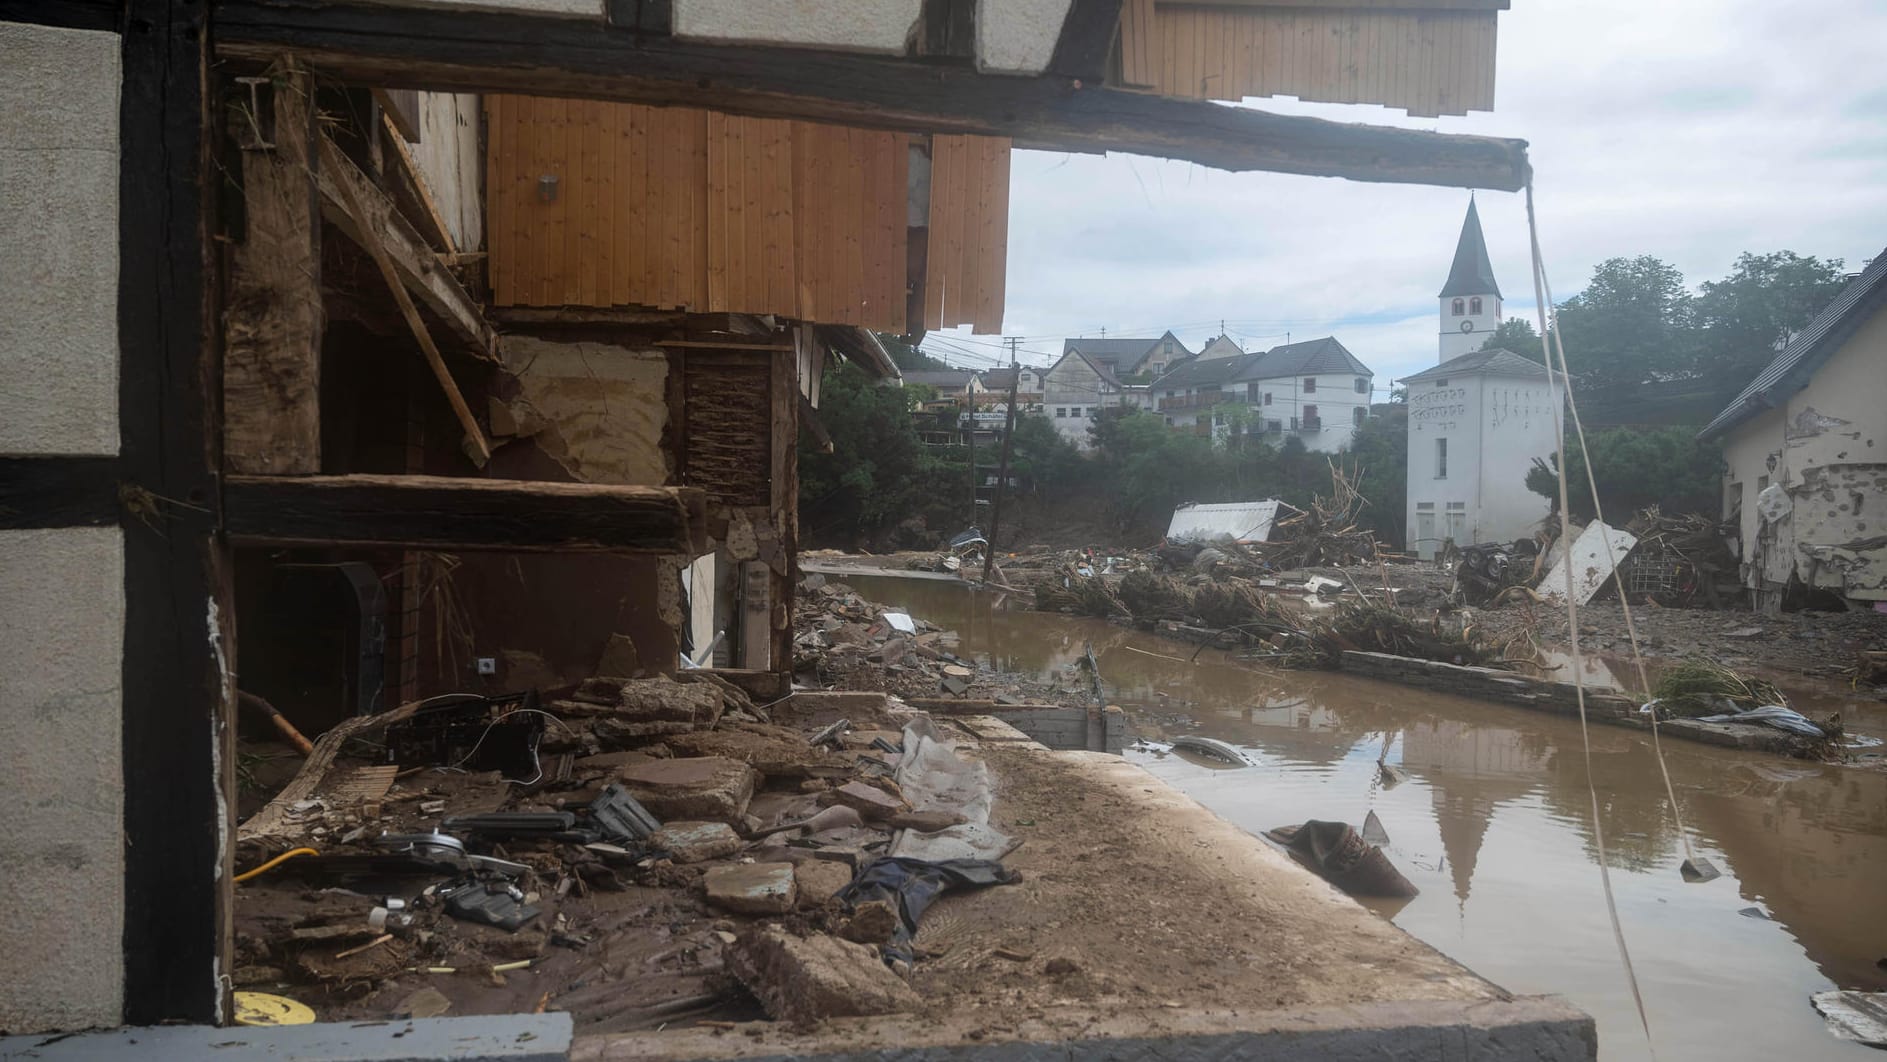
(1430, 62)
(609, 204)
(969, 222)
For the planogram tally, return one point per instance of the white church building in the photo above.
(1476, 420)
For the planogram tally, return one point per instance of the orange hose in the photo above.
(271, 864)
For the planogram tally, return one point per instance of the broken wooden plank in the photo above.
(446, 513)
(368, 235)
(436, 221)
(413, 259)
(509, 52)
(273, 320)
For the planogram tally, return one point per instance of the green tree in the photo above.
(1747, 317)
(906, 356)
(1516, 334)
(878, 473)
(1631, 324)
(1634, 468)
(1379, 456)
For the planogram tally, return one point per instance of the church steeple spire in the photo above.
(1472, 273)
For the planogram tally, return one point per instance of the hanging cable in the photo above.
(1572, 612)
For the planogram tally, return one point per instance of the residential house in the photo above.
(952, 385)
(348, 286)
(1477, 420)
(1029, 384)
(1074, 392)
(1805, 455)
(1315, 390)
(1130, 359)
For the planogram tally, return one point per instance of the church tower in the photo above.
(1470, 300)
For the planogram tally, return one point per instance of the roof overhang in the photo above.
(512, 50)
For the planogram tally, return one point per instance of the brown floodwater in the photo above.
(1494, 824)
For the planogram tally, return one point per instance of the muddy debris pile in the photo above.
(634, 851)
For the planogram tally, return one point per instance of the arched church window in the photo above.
(1474, 305)
(1457, 307)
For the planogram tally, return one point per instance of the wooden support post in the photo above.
(435, 219)
(179, 686)
(785, 400)
(756, 616)
(370, 239)
(272, 321)
(458, 513)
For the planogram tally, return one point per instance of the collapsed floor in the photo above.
(1083, 884)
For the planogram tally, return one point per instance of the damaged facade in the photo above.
(349, 361)
(1805, 456)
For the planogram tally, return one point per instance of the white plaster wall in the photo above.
(1516, 417)
(58, 240)
(881, 26)
(1455, 342)
(1452, 412)
(1830, 444)
(1018, 36)
(1071, 383)
(62, 837)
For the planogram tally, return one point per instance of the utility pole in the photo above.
(973, 481)
(1002, 472)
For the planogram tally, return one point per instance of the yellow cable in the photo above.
(271, 864)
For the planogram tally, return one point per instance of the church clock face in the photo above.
(1467, 326)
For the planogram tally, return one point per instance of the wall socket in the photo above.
(487, 665)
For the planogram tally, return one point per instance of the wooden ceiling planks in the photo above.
(691, 209)
(1428, 60)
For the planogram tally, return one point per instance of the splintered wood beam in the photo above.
(814, 427)
(461, 51)
(410, 166)
(414, 260)
(445, 513)
(369, 237)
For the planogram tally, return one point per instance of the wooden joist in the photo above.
(388, 45)
(444, 513)
(412, 257)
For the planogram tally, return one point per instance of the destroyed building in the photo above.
(1803, 475)
(361, 351)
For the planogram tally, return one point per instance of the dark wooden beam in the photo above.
(1085, 48)
(58, 492)
(503, 52)
(179, 647)
(105, 15)
(443, 513)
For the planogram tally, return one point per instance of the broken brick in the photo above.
(807, 979)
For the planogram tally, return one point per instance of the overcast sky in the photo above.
(1687, 129)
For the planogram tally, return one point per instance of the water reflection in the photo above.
(1494, 825)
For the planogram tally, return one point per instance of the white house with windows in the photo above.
(1316, 390)
(1476, 420)
(1075, 390)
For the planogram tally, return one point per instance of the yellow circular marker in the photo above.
(260, 1008)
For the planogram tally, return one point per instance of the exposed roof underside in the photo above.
(1496, 362)
(516, 50)
(1792, 369)
(1472, 273)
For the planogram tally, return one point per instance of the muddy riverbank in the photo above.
(1494, 825)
